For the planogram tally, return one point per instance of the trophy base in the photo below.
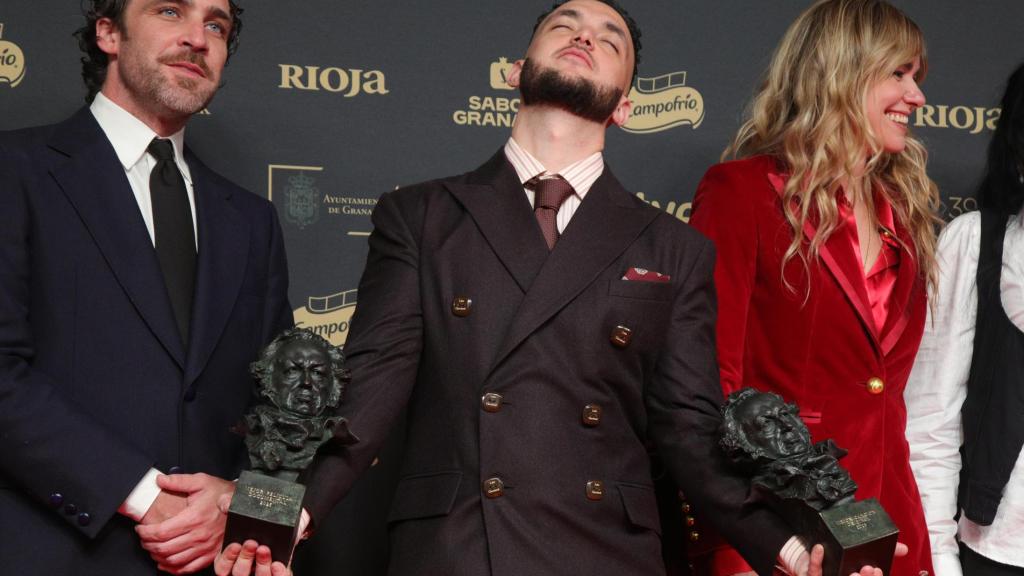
(267, 510)
(854, 535)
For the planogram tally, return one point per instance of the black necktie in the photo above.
(549, 193)
(175, 236)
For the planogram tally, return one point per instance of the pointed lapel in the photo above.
(223, 254)
(900, 299)
(603, 227)
(495, 200)
(840, 260)
(95, 183)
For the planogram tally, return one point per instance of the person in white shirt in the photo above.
(964, 399)
(136, 285)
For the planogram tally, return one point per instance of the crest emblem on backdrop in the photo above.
(303, 200)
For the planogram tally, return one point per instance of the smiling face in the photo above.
(167, 58)
(580, 59)
(890, 103)
(302, 378)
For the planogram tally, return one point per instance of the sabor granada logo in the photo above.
(328, 316)
(12, 61)
(664, 102)
(499, 74)
(487, 110)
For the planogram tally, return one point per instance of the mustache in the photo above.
(187, 56)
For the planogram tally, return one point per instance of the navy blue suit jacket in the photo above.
(95, 384)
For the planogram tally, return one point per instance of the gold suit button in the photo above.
(686, 508)
(621, 336)
(876, 385)
(595, 490)
(691, 521)
(494, 488)
(694, 536)
(461, 306)
(591, 415)
(491, 402)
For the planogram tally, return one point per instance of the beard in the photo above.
(147, 81)
(578, 96)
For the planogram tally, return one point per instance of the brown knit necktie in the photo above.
(550, 193)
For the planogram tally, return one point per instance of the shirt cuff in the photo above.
(947, 564)
(141, 497)
(789, 556)
(304, 531)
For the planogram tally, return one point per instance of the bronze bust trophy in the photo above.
(300, 382)
(804, 483)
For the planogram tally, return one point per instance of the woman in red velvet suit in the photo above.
(825, 228)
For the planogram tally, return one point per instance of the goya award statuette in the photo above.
(804, 483)
(300, 382)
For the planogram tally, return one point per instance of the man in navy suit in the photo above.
(136, 285)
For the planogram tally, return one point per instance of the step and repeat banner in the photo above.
(328, 104)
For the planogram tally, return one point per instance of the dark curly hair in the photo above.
(1002, 189)
(95, 61)
(634, 28)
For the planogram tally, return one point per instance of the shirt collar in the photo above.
(581, 175)
(130, 136)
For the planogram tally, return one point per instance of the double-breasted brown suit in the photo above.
(536, 382)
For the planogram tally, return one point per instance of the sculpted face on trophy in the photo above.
(302, 378)
(764, 435)
(772, 429)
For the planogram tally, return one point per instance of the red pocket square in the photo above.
(644, 275)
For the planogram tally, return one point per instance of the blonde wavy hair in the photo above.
(809, 113)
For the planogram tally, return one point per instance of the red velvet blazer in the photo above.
(819, 348)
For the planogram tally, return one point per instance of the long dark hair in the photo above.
(1002, 188)
(95, 61)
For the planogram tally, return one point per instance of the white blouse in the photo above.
(936, 392)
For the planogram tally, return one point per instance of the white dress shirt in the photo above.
(130, 137)
(580, 175)
(936, 393)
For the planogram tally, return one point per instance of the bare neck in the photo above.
(555, 137)
(163, 124)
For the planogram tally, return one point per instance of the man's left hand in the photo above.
(190, 540)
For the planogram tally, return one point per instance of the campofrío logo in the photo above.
(664, 102)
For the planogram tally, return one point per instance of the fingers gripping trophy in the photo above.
(300, 383)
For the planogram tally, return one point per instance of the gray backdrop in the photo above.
(327, 104)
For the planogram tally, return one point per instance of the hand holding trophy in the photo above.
(804, 483)
(301, 382)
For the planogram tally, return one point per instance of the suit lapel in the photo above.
(602, 228)
(95, 183)
(900, 300)
(840, 260)
(223, 254)
(495, 200)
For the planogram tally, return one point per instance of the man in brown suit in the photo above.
(546, 329)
